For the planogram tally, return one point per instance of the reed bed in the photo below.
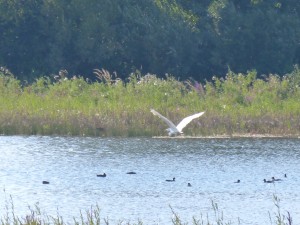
(236, 104)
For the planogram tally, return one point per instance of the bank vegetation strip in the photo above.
(94, 216)
(238, 104)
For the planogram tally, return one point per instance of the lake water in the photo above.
(212, 166)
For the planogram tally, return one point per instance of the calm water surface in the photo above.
(210, 165)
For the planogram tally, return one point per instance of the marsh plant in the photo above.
(280, 219)
(109, 106)
(93, 216)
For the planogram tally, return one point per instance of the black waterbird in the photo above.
(101, 175)
(171, 180)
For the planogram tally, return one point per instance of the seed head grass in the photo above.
(93, 216)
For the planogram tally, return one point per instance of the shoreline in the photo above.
(230, 136)
(224, 136)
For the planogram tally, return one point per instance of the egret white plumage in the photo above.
(175, 130)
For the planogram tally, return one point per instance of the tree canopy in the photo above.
(191, 38)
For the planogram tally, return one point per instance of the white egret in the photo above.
(175, 130)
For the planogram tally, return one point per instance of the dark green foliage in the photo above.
(184, 38)
(263, 36)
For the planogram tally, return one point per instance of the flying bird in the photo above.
(175, 130)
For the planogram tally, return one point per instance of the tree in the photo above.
(192, 38)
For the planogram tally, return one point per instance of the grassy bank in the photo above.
(239, 103)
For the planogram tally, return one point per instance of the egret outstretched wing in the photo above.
(187, 120)
(173, 130)
(167, 121)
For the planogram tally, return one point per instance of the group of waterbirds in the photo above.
(189, 184)
(273, 179)
(174, 130)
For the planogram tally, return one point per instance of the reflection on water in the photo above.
(210, 165)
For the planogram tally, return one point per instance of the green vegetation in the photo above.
(192, 38)
(237, 104)
(92, 217)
